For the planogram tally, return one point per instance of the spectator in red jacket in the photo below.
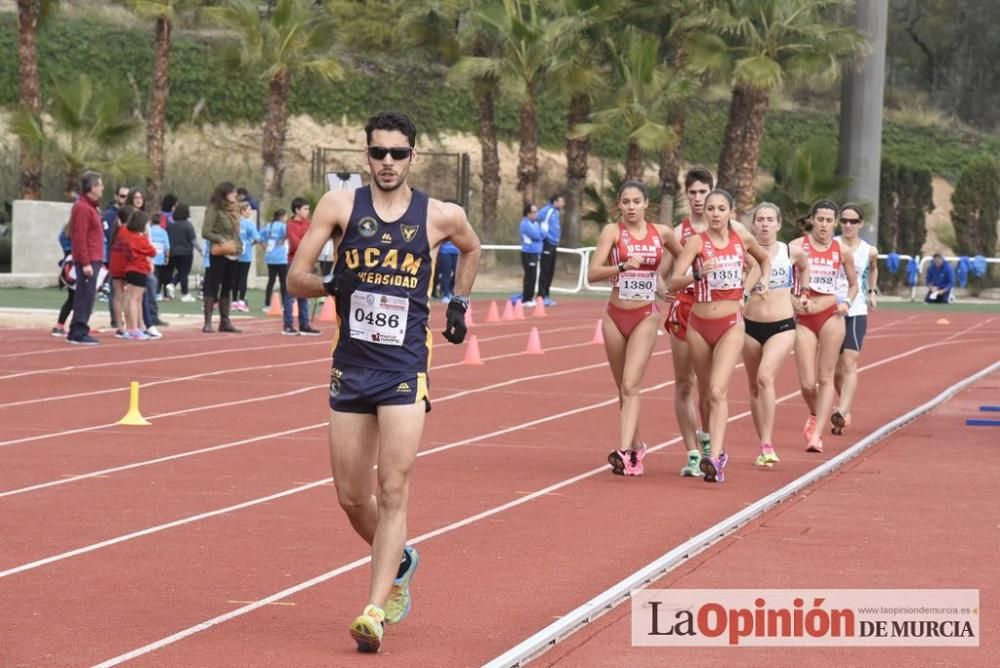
(297, 227)
(130, 254)
(87, 235)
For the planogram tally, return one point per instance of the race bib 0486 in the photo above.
(378, 318)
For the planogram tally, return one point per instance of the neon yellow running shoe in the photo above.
(399, 603)
(767, 457)
(368, 628)
(693, 467)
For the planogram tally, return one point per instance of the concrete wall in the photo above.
(35, 250)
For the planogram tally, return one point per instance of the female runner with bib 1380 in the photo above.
(715, 327)
(819, 323)
(770, 325)
(629, 253)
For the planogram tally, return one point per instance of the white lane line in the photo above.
(442, 448)
(576, 619)
(318, 425)
(285, 593)
(41, 437)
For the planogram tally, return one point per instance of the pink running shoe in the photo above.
(633, 460)
(815, 447)
(714, 468)
(807, 431)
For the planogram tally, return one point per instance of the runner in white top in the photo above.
(769, 324)
(856, 322)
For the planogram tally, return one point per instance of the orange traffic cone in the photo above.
(472, 351)
(539, 309)
(327, 313)
(519, 311)
(468, 316)
(493, 315)
(275, 305)
(508, 312)
(598, 334)
(534, 343)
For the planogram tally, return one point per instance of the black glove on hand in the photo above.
(341, 284)
(455, 328)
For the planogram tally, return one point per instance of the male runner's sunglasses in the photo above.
(397, 153)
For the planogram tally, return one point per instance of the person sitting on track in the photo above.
(386, 234)
(629, 253)
(770, 325)
(715, 327)
(845, 380)
(819, 322)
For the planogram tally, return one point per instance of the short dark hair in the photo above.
(124, 212)
(391, 120)
(699, 174)
(278, 214)
(555, 196)
(168, 202)
(137, 221)
(88, 180)
(182, 211)
(824, 204)
(527, 208)
(298, 203)
(242, 192)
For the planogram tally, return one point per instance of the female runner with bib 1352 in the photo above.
(715, 327)
(819, 323)
(629, 253)
(770, 324)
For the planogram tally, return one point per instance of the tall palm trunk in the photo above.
(28, 14)
(275, 133)
(527, 155)
(486, 103)
(577, 153)
(670, 166)
(156, 123)
(633, 160)
(746, 170)
(741, 145)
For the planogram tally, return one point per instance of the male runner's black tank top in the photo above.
(387, 327)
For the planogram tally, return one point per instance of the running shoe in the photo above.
(705, 441)
(368, 628)
(815, 447)
(399, 603)
(549, 302)
(767, 457)
(809, 428)
(714, 469)
(692, 468)
(289, 331)
(840, 422)
(633, 461)
(59, 330)
(617, 460)
(308, 331)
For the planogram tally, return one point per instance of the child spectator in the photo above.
(67, 245)
(275, 239)
(183, 244)
(161, 242)
(249, 236)
(116, 270)
(131, 252)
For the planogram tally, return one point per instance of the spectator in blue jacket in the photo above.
(161, 262)
(444, 271)
(548, 220)
(531, 251)
(274, 236)
(249, 236)
(940, 281)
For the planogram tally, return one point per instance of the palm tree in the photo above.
(164, 13)
(644, 88)
(577, 72)
(525, 37)
(802, 175)
(296, 38)
(759, 45)
(30, 15)
(85, 131)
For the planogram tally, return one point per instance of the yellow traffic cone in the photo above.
(134, 417)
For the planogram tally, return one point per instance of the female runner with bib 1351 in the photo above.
(819, 323)
(715, 327)
(629, 253)
(770, 324)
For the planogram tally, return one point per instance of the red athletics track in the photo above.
(516, 518)
(917, 511)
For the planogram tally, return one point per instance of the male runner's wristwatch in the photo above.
(621, 267)
(464, 301)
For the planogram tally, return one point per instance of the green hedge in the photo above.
(112, 54)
